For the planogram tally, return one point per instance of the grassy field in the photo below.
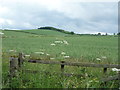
(53, 45)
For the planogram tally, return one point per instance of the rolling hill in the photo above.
(36, 32)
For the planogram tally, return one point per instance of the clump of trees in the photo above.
(118, 33)
(56, 29)
(99, 33)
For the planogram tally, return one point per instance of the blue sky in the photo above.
(70, 15)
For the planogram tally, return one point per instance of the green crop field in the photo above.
(57, 46)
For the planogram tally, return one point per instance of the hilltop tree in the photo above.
(106, 34)
(99, 33)
(56, 29)
(118, 33)
(72, 33)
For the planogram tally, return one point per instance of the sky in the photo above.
(88, 16)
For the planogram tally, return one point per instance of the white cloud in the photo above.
(10, 22)
(28, 25)
(1, 21)
(3, 10)
(6, 21)
(92, 1)
(71, 15)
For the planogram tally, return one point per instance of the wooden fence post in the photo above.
(104, 70)
(62, 66)
(20, 59)
(13, 66)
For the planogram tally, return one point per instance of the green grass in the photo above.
(84, 47)
(79, 49)
(46, 32)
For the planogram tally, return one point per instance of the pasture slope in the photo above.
(53, 45)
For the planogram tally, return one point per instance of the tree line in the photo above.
(56, 29)
(72, 33)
